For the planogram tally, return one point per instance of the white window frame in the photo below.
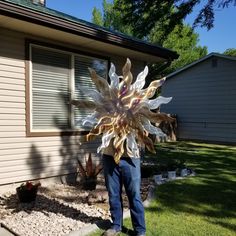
(71, 88)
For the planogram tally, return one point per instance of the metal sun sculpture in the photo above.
(122, 111)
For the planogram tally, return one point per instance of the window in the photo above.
(55, 78)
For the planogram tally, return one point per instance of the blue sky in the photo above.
(218, 39)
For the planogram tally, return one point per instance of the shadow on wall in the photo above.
(69, 154)
(72, 147)
(36, 161)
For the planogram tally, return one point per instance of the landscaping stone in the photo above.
(59, 210)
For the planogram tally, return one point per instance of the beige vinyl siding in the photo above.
(204, 101)
(21, 157)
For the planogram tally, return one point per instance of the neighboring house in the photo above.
(204, 99)
(44, 60)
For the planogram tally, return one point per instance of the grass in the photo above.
(204, 205)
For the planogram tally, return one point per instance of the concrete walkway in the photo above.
(5, 232)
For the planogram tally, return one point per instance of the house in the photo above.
(204, 99)
(44, 60)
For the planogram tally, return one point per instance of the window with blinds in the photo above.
(83, 83)
(56, 78)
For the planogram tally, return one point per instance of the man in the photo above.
(123, 116)
(127, 173)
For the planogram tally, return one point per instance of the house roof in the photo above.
(213, 54)
(24, 11)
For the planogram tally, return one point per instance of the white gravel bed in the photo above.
(58, 210)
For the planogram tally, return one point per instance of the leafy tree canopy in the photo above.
(143, 15)
(111, 18)
(97, 17)
(230, 52)
(184, 41)
(181, 39)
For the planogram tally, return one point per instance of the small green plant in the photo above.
(172, 165)
(181, 164)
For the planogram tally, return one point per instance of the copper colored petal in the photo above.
(155, 117)
(100, 83)
(84, 104)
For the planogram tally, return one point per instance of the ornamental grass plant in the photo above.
(89, 173)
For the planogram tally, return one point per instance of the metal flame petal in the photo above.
(123, 111)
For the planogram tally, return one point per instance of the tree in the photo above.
(110, 18)
(143, 15)
(97, 17)
(182, 39)
(230, 52)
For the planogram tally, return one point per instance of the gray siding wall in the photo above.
(204, 99)
(21, 157)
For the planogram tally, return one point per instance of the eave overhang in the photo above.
(20, 15)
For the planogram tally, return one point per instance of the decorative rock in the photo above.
(58, 210)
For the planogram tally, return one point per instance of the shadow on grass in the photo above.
(211, 199)
(225, 225)
(211, 193)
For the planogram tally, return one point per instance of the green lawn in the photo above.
(204, 205)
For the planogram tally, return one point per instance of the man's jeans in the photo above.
(126, 173)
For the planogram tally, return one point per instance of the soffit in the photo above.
(77, 40)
